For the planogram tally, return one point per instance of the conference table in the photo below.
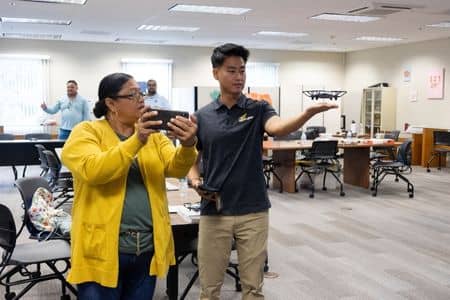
(356, 160)
(23, 152)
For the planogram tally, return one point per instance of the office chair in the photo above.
(269, 167)
(38, 136)
(393, 135)
(296, 135)
(32, 137)
(398, 167)
(26, 260)
(322, 158)
(232, 269)
(441, 146)
(44, 165)
(319, 129)
(60, 182)
(9, 137)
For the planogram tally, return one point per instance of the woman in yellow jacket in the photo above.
(121, 237)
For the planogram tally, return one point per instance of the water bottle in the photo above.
(348, 139)
(183, 188)
(303, 137)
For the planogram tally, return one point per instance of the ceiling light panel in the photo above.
(345, 18)
(378, 39)
(167, 28)
(210, 9)
(79, 2)
(32, 36)
(282, 34)
(35, 21)
(143, 41)
(440, 25)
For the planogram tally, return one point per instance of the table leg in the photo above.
(285, 168)
(356, 166)
(172, 283)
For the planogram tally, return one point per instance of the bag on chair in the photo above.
(45, 218)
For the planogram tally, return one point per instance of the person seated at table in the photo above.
(121, 236)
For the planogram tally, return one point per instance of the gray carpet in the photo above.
(332, 247)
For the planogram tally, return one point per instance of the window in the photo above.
(144, 69)
(262, 74)
(24, 84)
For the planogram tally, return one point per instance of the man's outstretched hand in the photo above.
(321, 107)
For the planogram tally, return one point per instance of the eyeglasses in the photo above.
(135, 96)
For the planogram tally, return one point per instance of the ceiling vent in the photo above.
(381, 9)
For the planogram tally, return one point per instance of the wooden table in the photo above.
(356, 161)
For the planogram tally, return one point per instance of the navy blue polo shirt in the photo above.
(230, 141)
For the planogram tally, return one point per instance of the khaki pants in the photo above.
(215, 240)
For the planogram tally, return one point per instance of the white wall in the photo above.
(364, 68)
(89, 62)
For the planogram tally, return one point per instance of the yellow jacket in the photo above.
(99, 162)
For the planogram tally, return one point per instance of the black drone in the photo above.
(322, 94)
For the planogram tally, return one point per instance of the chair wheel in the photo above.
(311, 195)
(374, 194)
(428, 170)
(324, 188)
(342, 194)
(10, 296)
(396, 179)
(65, 297)
(411, 195)
(238, 288)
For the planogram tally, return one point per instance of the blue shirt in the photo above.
(72, 111)
(230, 141)
(157, 101)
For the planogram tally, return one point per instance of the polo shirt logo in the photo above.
(244, 118)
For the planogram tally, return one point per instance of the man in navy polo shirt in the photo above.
(230, 135)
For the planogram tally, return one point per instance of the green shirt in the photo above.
(136, 226)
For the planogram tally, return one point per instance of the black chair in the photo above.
(296, 135)
(60, 182)
(269, 167)
(25, 261)
(232, 269)
(319, 129)
(9, 137)
(38, 136)
(322, 158)
(393, 135)
(35, 136)
(44, 165)
(27, 186)
(398, 167)
(379, 153)
(441, 146)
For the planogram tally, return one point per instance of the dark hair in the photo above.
(227, 50)
(72, 81)
(109, 86)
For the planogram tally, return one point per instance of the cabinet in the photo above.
(378, 110)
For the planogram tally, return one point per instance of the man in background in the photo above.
(74, 109)
(153, 99)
